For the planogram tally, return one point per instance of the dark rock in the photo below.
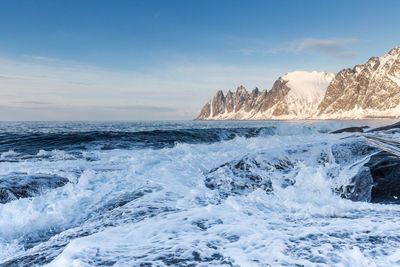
(360, 186)
(350, 130)
(22, 185)
(385, 170)
(385, 128)
(378, 181)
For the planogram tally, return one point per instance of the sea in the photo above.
(188, 193)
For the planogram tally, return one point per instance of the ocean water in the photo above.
(261, 193)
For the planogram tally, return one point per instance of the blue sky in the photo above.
(131, 60)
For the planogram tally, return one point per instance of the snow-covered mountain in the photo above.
(368, 90)
(296, 95)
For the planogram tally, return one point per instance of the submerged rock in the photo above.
(237, 177)
(351, 130)
(250, 173)
(361, 129)
(22, 185)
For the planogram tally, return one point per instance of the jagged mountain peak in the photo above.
(255, 92)
(241, 88)
(292, 95)
(219, 94)
(395, 51)
(369, 89)
(371, 59)
(241, 91)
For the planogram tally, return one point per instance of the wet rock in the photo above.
(237, 177)
(351, 130)
(351, 151)
(360, 186)
(250, 173)
(378, 181)
(385, 171)
(22, 185)
(393, 126)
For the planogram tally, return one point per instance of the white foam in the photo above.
(303, 224)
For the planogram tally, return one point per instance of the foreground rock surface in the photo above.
(385, 172)
(378, 181)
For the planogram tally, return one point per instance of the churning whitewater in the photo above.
(191, 194)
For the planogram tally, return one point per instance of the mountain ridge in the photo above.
(367, 90)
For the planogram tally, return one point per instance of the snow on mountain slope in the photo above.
(307, 89)
(309, 86)
(294, 95)
(368, 90)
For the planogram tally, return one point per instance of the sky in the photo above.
(163, 60)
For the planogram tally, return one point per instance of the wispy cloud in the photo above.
(42, 58)
(70, 90)
(139, 108)
(34, 103)
(247, 52)
(334, 47)
(337, 47)
(12, 77)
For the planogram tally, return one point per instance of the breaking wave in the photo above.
(188, 194)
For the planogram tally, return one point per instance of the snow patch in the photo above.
(310, 86)
(395, 79)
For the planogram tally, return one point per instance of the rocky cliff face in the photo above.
(294, 95)
(368, 90)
